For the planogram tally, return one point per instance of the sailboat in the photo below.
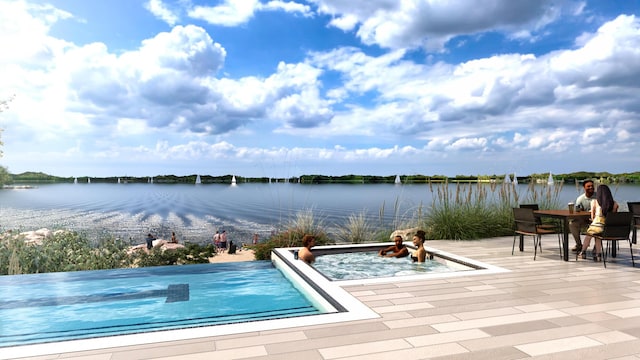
(198, 181)
(75, 180)
(233, 180)
(550, 180)
(398, 181)
(507, 179)
(515, 179)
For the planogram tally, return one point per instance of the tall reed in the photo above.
(475, 211)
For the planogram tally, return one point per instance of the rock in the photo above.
(407, 234)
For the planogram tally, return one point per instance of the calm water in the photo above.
(195, 212)
(61, 306)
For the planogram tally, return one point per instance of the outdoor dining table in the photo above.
(564, 216)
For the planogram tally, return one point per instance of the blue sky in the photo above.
(284, 88)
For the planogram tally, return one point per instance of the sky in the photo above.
(277, 88)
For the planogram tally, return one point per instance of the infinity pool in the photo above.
(62, 306)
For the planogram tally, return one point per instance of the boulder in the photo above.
(407, 234)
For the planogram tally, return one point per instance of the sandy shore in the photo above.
(243, 255)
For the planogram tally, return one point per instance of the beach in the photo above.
(240, 255)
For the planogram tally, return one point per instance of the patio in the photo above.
(543, 309)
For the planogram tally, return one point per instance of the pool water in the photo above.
(63, 306)
(368, 265)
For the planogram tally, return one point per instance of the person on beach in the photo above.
(150, 239)
(255, 239)
(583, 203)
(173, 238)
(397, 250)
(305, 254)
(420, 254)
(600, 207)
(223, 240)
(216, 240)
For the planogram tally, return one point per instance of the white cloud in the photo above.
(161, 11)
(287, 6)
(230, 13)
(432, 23)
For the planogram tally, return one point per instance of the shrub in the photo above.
(190, 254)
(356, 230)
(304, 222)
(477, 211)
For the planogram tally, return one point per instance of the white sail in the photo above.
(550, 180)
(507, 179)
(88, 180)
(233, 180)
(75, 180)
(515, 179)
(198, 181)
(398, 181)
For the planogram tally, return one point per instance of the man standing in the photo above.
(583, 203)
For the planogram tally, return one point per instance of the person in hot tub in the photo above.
(420, 254)
(397, 250)
(305, 254)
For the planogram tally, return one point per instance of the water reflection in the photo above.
(196, 212)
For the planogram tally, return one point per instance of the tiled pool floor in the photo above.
(543, 309)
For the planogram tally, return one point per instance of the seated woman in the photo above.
(420, 254)
(600, 207)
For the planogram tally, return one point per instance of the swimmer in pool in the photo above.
(397, 250)
(305, 254)
(420, 254)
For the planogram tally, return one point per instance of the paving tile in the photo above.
(417, 321)
(519, 327)
(612, 337)
(240, 353)
(498, 320)
(520, 338)
(306, 355)
(363, 349)
(403, 307)
(557, 345)
(259, 340)
(469, 315)
(441, 338)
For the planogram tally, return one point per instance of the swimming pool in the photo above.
(62, 306)
(153, 305)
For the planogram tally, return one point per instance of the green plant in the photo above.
(190, 254)
(304, 222)
(356, 230)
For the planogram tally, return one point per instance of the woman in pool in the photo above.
(305, 254)
(420, 254)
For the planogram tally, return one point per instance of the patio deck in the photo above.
(543, 309)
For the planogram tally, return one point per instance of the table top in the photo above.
(564, 213)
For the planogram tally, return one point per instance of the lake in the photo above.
(195, 212)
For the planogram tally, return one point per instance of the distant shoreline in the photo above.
(41, 178)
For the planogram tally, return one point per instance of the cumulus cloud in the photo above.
(432, 23)
(169, 97)
(161, 11)
(237, 12)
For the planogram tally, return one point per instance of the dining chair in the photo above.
(634, 208)
(539, 219)
(525, 225)
(617, 228)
